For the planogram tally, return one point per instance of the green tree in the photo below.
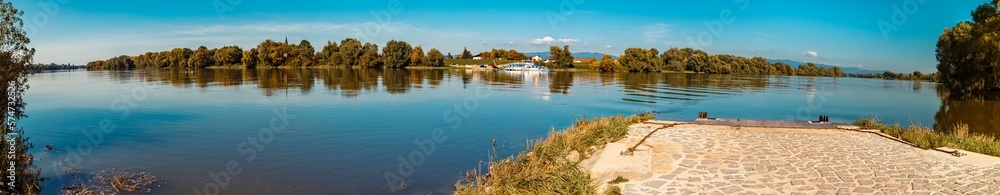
(634, 60)
(561, 56)
(15, 56)
(607, 64)
(249, 58)
(369, 56)
(269, 54)
(228, 55)
(326, 57)
(178, 57)
(465, 54)
(350, 52)
(968, 54)
(306, 54)
(698, 62)
(201, 58)
(675, 59)
(396, 54)
(434, 58)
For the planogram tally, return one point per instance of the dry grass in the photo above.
(110, 181)
(543, 167)
(926, 138)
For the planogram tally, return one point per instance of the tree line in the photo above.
(52, 66)
(268, 54)
(694, 60)
(889, 75)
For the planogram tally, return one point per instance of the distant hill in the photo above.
(545, 55)
(846, 70)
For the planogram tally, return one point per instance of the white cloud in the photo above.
(812, 54)
(608, 46)
(568, 41)
(547, 40)
(510, 43)
(655, 32)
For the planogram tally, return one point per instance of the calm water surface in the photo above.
(347, 129)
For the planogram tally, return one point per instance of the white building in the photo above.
(536, 58)
(477, 57)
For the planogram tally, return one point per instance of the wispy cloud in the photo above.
(277, 28)
(655, 32)
(568, 41)
(549, 40)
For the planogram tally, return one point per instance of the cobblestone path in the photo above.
(699, 159)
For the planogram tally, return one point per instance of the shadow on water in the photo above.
(979, 111)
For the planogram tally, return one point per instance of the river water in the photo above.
(359, 131)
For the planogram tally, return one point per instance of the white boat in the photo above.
(525, 66)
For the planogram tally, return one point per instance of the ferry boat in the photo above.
(525, 66)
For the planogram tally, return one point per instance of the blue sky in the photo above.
(839, 32)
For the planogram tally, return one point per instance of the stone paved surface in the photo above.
(699, 159)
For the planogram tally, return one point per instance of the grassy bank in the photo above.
(544, 168)
(959, 136)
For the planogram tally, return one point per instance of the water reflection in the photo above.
(645, 88)
(345, 146)
(979, 111)
(670, 91)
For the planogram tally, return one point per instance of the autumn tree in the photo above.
(249, 58)
(514, 55)
(417, 56)
(607, 64)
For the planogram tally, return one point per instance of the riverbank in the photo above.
(551, 166)
(666, 157)
(956, 136)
